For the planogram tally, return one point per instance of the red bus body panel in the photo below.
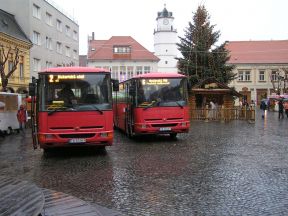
(173, 119)
(58, 129)
(155, 120)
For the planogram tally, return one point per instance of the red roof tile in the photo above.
(245, 52)
(103, 49)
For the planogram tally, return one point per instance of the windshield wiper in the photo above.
(97, 109)
(55, 110)
(179, 104)
(153, 104)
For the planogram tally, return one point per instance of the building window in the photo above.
(115, 72)
(21, 71)
(166, 62)
(59, 25)
(139, 70)
(129, 72)
(75, 54)
(59, 47)
(147, 69)
(243, 75)
(48, 19)
(67, 52)
(10, 67)
(262, 75)
(36, 38)
(247, 76)
(48, 43)
(67, 30)
(36, 65)
(36, 11)
(122, 49)
(48, 64)
(75, 35)
(122, 73)
(274, 75)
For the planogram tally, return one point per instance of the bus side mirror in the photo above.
(32, 89)
(115, 85)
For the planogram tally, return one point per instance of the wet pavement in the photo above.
(234, 168)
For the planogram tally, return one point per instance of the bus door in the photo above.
(130, 98)
(32, 93)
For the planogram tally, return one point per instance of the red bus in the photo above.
(73, 107)
(152, 103)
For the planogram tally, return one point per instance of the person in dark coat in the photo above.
(263, 107)
(281, 109)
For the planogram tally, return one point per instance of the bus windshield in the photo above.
(74, 92)
(161, 92)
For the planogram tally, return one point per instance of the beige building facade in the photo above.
(261, 68)
(12, 36)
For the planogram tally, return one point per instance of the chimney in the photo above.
(93, 35)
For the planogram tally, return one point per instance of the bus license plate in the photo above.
(77, 140)
(165, 129)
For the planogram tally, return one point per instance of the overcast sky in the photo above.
(235, 19)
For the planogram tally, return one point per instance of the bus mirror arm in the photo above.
(115, 85)
(32, 87)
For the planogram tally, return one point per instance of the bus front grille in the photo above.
(164, 125)
(88, 135)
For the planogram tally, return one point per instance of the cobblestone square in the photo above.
(234, 168)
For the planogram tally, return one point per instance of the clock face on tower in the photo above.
(165, 21)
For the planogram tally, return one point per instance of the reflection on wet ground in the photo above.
(232, 168)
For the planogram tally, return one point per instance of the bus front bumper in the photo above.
(160, 128)
(48, 140)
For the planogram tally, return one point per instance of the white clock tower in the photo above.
(165, 39)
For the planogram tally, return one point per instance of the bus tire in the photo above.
(46, 151)
(130, 131)
(173, 135)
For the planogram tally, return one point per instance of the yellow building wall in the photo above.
(15, 81)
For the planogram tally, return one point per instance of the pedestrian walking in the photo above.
(280, 109)
(263, 107)
(212, 110)
(285, 104)
(22, 117)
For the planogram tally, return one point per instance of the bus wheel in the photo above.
(173, 135)
(130, 132)
(46, 151)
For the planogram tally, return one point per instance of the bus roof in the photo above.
(159, 75)
(74, 70)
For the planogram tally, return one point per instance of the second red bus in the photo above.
(153, 103)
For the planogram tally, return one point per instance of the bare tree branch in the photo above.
(15, 63)
(3, 59)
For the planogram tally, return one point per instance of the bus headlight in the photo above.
(143, 126)
(103, 134)
(106, 135)
(183, 124)
(44, 137)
